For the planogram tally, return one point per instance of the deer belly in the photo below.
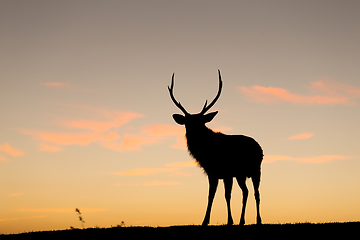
(225, 169)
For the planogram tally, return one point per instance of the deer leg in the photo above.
(242, 183)
(213, 183)
(228, 182)
(256, 183)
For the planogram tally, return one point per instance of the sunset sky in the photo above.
(86, 115)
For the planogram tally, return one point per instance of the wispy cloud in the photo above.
(2, 159)
(173, 169)
(15, 194)
(159, 183)
(21, 218)
(60, 138)
(49, 148)
(132, 142)
(301, 136)
(129, 142)
(146, 171)
(182, 164)
(60, 210)
(318, 159)
(13, 152)
(55, 84)
(88, 130)
(161, 131)
(149, 135)
(10, 150)
(110, 140)
(117, 119)
(102, 112)
(328, 92)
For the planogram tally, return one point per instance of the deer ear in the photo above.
(208, 117)
(179, 119)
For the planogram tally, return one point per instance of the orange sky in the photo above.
(86, 115)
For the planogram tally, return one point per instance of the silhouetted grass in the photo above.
(80, 217)
(278, 231)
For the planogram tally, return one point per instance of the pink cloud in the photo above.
(332, 87)
(160, 183)
(130, 142)
(117, 119)
(112, 145)
(15, 194)
(49, 148)
(160, 131)
(180, 143)
(164, 130)
(133, 142)
(60, 210)
(172, 169)
(301, 136)
(96, 111)
(100, 132)
(2, 159)
(318, 159)
(149, 135)
(146, 171)
(183, 164)
(155, 133)
(55, 84)
(70, 138)
(110, 140)
(20, 218)
(329, 93)
(10, 150)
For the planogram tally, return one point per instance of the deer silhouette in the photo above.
(221, 156)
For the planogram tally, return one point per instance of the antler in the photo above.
(206, 108)
(178, 104)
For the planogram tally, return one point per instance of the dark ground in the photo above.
(349, 230)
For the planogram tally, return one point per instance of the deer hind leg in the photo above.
(228, 183)
(256, 183)
(213, 183)
(242, 183)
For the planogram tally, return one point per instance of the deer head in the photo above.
(198, 119)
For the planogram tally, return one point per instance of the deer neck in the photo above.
(198, 142)
(199, 133)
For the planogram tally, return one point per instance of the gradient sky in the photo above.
(86, 115)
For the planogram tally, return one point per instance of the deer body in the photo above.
(234, 152)
(221, 156)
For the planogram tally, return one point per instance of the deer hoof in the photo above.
(230, 222)
(204, 224)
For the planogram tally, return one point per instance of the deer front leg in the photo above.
(213, 183)
(228, 182)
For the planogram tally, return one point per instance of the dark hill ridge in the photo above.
(278, 231)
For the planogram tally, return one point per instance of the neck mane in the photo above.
(198, 141)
